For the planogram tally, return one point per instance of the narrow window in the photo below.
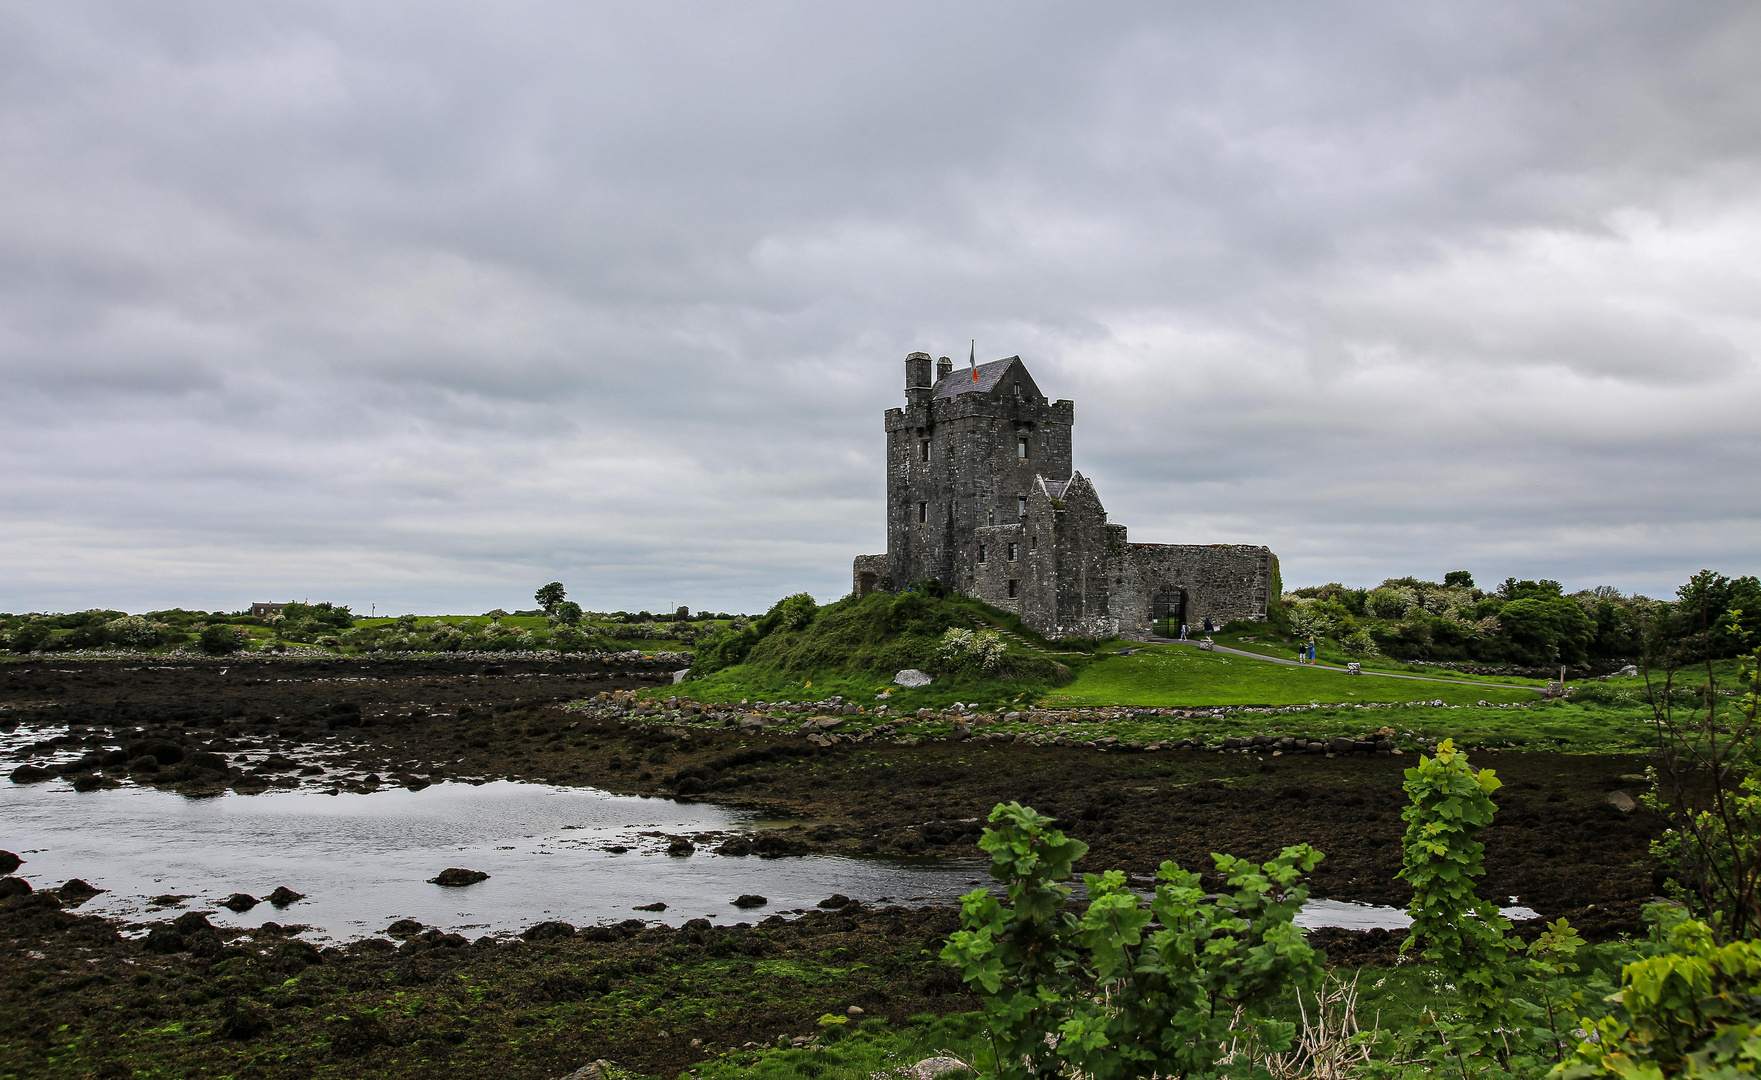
(1017, 389)
(923, 449)
(922, 513)
(981, 553)
(1014, 550)
(1033, 542)
(1014, 588)
(1021, 447)
(1021, 506)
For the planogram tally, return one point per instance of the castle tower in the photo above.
(982, 497)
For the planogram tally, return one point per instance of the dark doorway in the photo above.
(866, 582)
(1167, 612)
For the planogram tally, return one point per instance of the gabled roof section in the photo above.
(991, 377)
(1054, 488)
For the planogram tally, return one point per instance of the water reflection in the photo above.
(364, 860)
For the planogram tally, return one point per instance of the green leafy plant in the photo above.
(1705, 783)
(1462, 934)
(1102, 993)
(1692, 1010)
(565, 613)
(1513, 998)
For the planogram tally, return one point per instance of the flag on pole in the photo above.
(973, 359)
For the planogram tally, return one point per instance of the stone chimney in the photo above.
(917, 382)
(944, 368)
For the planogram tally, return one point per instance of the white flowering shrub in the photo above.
(135, 632)
(1386, 603)
(1307, 621)
(963, 649)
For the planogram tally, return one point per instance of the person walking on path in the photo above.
(1182, 631)
(1311, 649)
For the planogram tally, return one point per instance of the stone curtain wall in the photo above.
(1223, 581)
(873, 568)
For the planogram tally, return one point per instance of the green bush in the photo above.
(324, 614)
(221, 639)
(1601, 693)
(1129, 990)
(30, 636)
(1692, 1010)
(790, 613)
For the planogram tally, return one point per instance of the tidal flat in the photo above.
(269, 993)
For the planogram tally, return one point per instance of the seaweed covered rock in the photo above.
(456, 877)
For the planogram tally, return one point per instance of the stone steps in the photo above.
(1021, 641)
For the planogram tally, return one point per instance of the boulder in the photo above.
(240, 902)
(656, 906)
(750, 900)
(455, 877)
(835, 901)
(930, 1068)
(912, 678)
(160, 750)
(31, 774)
(77, 891)
(680, 846)
(1621, 801)
(9, 862)
(14, 886)
(549, 931)
(192, 921)
(404, 928)
(293, 957)
(163, 939)
(283, 896)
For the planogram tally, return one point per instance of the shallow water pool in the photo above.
(364, 860)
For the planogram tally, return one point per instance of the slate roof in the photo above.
(960, 382)
(1055, 488)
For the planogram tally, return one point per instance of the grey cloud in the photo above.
(419, 302)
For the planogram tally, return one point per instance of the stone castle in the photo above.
(982, 497)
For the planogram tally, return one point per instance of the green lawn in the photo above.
(1164, 675)
(743, 683)
(1264, 643)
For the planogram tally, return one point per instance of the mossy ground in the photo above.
(79, 1001)
(539, 1010)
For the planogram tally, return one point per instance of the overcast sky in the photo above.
(423, 305)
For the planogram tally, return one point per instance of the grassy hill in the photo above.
(855, 646)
